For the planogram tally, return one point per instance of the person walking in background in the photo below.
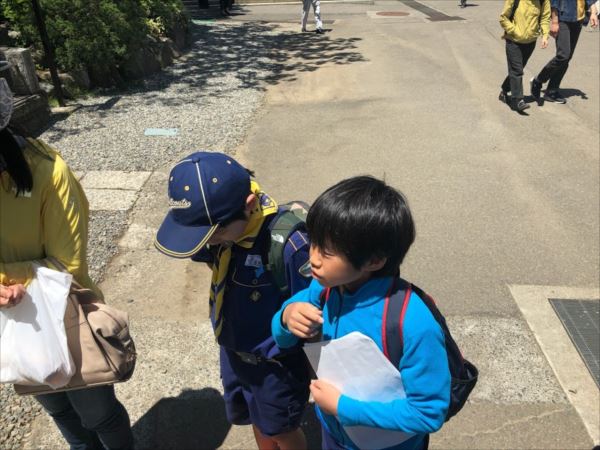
(44, 213)
(567, 19)
(522, 22)
(316, 4)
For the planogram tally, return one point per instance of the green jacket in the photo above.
(530, 17)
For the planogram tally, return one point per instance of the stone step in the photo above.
(31, 112)
(193, 8)
(250, 2)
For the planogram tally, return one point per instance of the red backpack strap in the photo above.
(324, 297)
(392, 324)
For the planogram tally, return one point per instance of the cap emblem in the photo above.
(179, 204)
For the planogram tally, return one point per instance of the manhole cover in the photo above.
(581, 319)
(392, 13)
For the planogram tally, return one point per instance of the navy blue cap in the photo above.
(205, 189)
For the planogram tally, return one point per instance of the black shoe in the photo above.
(504, 97)
(536, 88)
(555, 97)
(319, 31)
(520, 105)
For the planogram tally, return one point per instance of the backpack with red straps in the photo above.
(462, 372)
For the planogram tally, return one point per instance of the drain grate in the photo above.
(581, 319)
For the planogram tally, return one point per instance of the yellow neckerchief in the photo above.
(580, 9)
(265, 206)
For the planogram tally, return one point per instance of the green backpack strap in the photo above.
(291, 219)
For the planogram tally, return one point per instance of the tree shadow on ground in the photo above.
(196, 419)
(256, 54)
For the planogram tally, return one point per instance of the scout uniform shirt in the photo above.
(251, 295)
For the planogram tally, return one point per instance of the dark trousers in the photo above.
(517, 56)
(90, 419)
(566, 41)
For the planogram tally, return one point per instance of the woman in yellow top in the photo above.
(523, 21)
(44, 213)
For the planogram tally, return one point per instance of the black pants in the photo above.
(566, 41)
(517, 56)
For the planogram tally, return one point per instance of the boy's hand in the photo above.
(11, 295)
(544, 41)
(326, 396)
(302, 319)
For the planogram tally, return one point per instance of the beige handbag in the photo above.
(99, 343)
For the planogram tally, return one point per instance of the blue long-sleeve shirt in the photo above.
(423, 367)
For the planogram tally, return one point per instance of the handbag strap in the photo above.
(58, 265)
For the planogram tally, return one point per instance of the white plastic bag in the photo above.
(355, 365)
(33, 342)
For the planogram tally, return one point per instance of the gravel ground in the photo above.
(210, 95)
(105, 229)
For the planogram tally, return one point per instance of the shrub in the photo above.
(165, 14)
(93, 34)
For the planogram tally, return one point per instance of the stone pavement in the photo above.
(500, 200)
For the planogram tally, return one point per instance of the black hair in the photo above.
(240, 214)
(13, 161)
(363, 218)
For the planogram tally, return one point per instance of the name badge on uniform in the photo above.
(306, 270)
(253, 261)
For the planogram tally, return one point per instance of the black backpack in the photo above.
(516, 5)
(463, 374)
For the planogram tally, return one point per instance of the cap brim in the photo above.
(180, 241)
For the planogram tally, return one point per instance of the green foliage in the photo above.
(95, 34)
(164, 12)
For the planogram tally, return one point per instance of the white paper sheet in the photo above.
(355, 365)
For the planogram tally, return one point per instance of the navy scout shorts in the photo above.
(269, 395)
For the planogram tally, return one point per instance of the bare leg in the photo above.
(294, 440)
(263, 442)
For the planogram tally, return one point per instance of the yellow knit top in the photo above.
(51, 220)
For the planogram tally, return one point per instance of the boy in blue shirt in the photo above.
(360, 231)
(219, 216)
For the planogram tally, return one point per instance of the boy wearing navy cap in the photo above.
(219, 216)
